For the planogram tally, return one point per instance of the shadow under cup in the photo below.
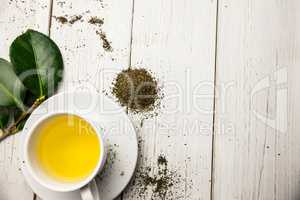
(69, 146)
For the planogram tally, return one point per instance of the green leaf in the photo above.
(7, 116)
(3, 120)
(38, 62)
(29, 99)
(11, 88)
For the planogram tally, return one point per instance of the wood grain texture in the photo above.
(176, 41)
(256, 140)
(17, 16)
(86, 61)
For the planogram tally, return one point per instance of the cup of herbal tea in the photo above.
(64, 152)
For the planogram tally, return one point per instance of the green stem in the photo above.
(13, 128)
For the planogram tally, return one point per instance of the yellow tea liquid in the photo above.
(67, 148)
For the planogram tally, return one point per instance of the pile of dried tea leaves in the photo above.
(137, 89)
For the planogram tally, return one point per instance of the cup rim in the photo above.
(76, 185)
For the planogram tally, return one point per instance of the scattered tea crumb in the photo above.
(122, 173)
(75, 19)
(110, 160)
(136, 89)
(105, 43)
(96, 21)
(142, 122)
(161, 160)
(61, 19)
(102, 4)
(160, 183)
(64, 20)
(61, 3)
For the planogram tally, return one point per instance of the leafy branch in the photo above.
(13, 128)
(35, 70)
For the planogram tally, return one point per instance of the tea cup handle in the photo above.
(90, 191)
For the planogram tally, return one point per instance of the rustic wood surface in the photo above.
(228, 70)
(256, 136)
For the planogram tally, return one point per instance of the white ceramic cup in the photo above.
(88, 187)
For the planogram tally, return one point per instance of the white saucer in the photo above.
(119, 135)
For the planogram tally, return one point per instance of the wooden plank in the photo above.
(16, 17)
(176, 41)
(256, 138)
(87, 63)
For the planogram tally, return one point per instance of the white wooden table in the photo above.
(229, 126)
